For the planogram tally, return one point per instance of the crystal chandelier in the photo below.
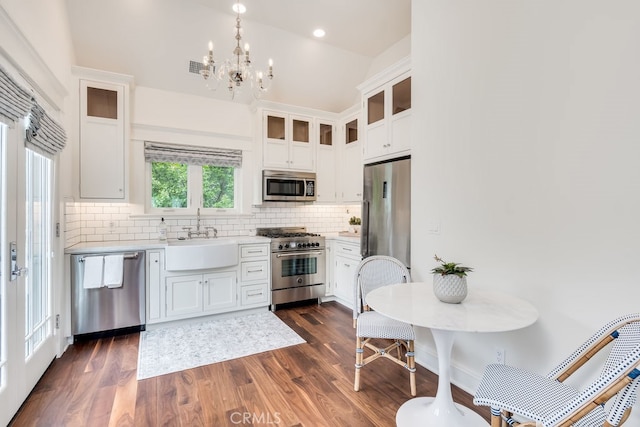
(237, 70)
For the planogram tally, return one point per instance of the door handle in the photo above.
(297, 254)
(15, 270)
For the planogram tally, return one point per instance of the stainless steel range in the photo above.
(298, 262)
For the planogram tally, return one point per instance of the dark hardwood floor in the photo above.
(94, 384)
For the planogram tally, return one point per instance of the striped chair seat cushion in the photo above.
(528, 394)
(374, 325)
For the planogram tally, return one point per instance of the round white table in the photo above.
(481, 311)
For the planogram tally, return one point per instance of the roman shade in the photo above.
(15, 102)
(192, 155)
(43, 133)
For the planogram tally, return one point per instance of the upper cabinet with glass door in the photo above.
(288, 142)
(326, 161)
(349, 187)
(387, 113)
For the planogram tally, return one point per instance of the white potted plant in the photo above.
(450, 281)
(355, 224)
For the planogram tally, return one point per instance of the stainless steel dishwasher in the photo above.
(103, 308)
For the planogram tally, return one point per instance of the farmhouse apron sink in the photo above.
(200, 254)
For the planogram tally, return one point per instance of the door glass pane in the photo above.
(102, 103)
(169, 185)
(351, 133)
(3, 271)
(300, 130)
(218, 187)
(375, 108)
(37, 251)
(326, 134)
(402, 96)
(299, 266)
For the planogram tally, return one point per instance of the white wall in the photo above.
(45, 25)
(389, 57)
(527, 130)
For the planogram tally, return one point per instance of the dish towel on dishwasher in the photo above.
(92, 278)
(113, 271)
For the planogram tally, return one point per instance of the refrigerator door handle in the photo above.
(364, 238)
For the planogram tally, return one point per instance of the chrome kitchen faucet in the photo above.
(198, 233)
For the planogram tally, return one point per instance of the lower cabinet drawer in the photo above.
(254, 270)
(254, 294)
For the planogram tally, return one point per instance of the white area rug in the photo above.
(177, 348)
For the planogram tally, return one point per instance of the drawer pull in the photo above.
(255, 271)
(347, 249)
(254, 294)
(255, 251)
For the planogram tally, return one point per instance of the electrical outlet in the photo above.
(500, 356)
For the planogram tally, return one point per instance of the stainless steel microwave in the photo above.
(281, 186)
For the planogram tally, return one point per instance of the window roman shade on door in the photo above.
(192, 155)
(15, 102)
(43, 133)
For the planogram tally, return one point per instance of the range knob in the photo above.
(286, 246)
(317, 244)
(280, 247)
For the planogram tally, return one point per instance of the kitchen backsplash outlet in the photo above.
(98, 222)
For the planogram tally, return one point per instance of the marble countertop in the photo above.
(141, 245)
(355, 238)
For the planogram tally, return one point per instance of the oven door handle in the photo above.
(298, 254)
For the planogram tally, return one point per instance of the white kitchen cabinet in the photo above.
(387, 114)
(103, 116)
(183, 296)
(254, 295)
(200, 294)
(288, 142)
(175, 295)
(346, 260)
(329, 271)
(326, 171)
(255, 275)
(155, 296)
(350, 161)
(220, 292)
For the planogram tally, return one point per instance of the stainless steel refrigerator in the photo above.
(386, 210)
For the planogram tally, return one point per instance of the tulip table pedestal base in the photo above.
(439, 411)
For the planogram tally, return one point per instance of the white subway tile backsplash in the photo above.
(95, 222)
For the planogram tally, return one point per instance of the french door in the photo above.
(26, 325)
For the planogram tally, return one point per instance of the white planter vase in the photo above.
(450, 288)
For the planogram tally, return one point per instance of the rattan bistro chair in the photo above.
(372, 273)
(549, 401)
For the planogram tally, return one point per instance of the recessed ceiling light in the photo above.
(319, 33)
(239, 8)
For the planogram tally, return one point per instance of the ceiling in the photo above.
(353, 25)
(154, 41)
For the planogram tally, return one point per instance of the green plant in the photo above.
(446, 268)
(354, 220)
